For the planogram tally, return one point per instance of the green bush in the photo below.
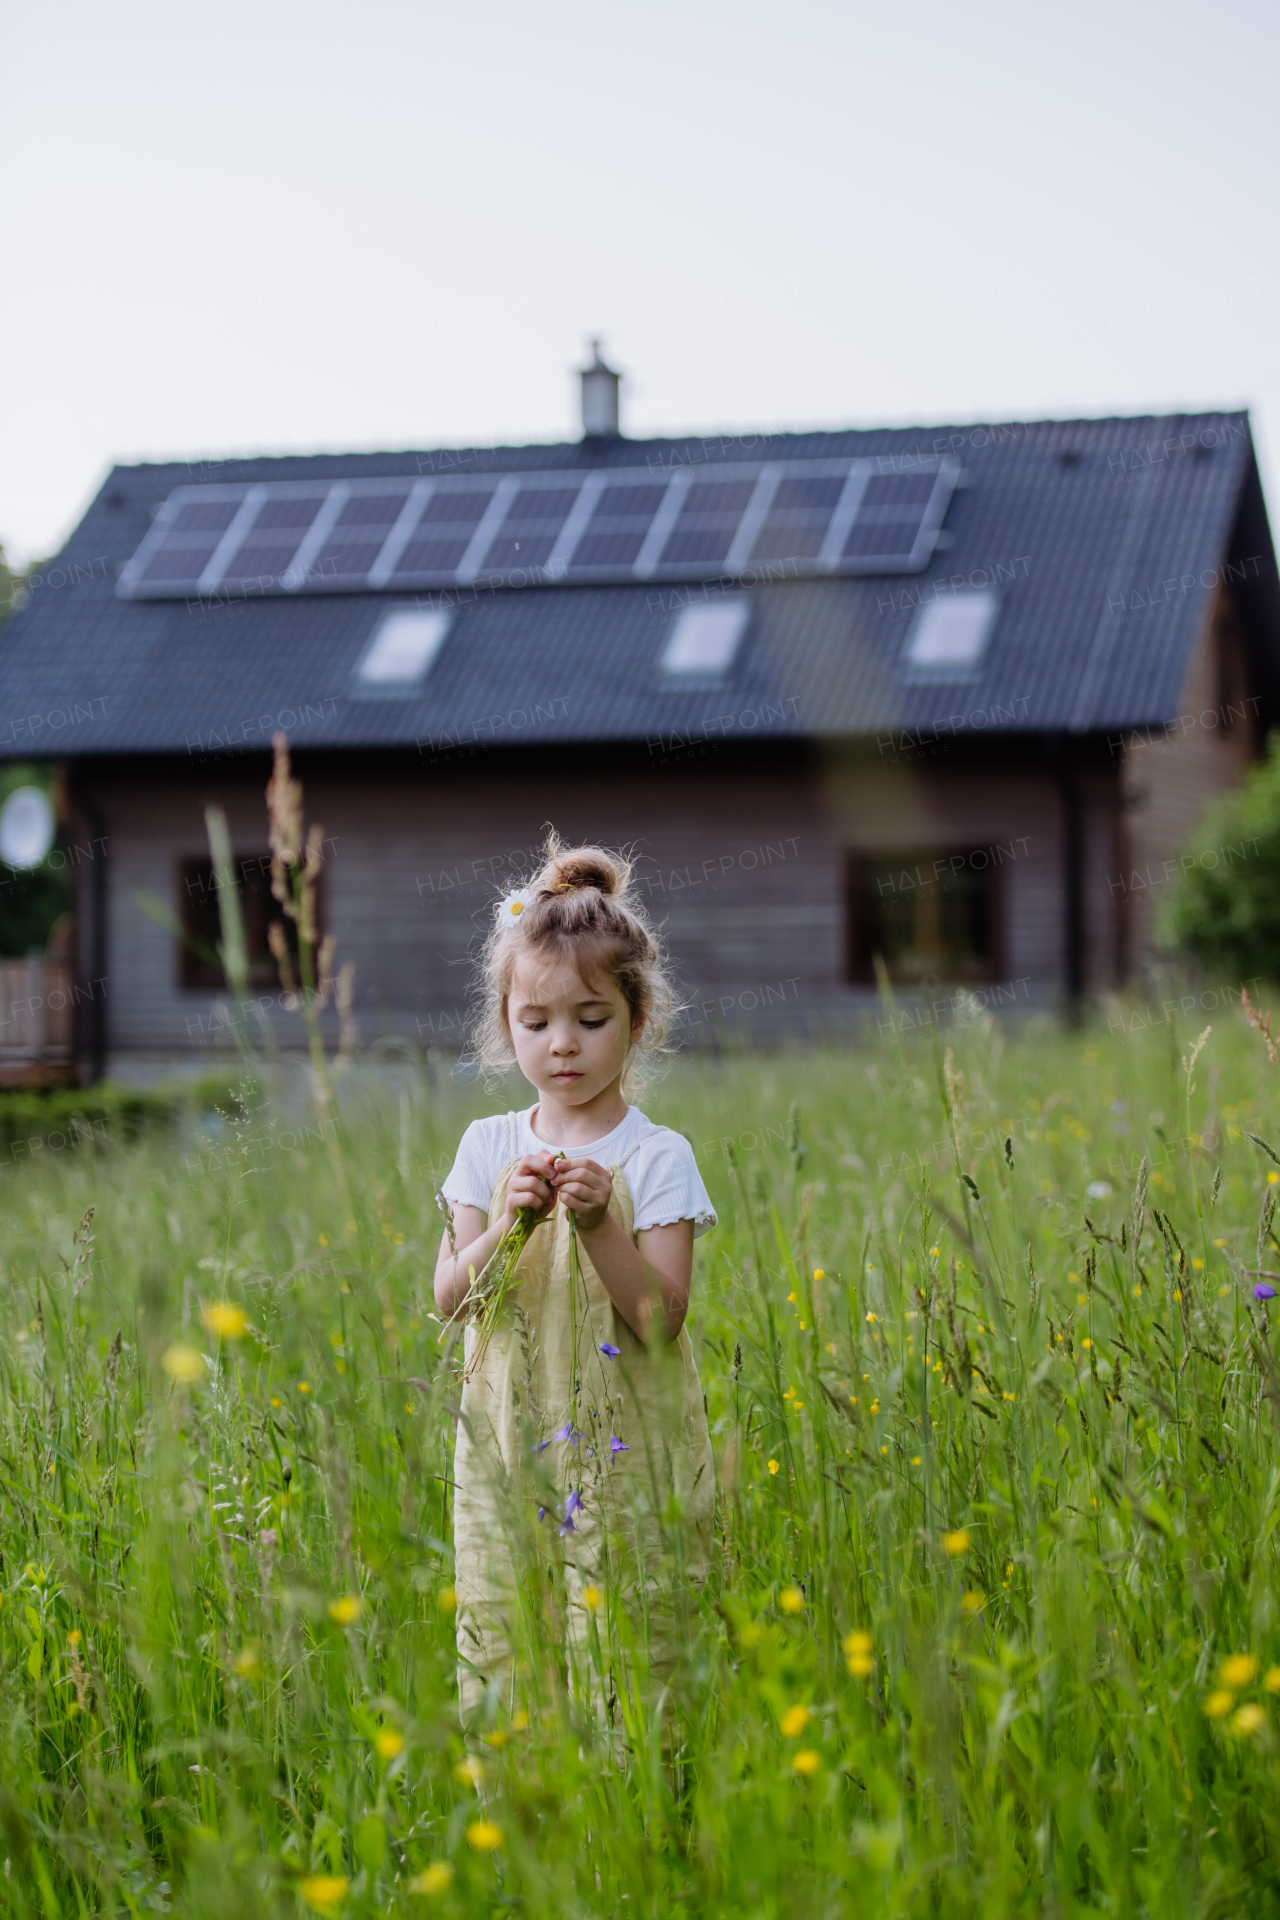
(84, 1114)
(1225, 910)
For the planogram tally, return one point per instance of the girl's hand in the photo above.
(584, 1188)
(530, 1186)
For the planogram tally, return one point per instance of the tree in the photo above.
(1225, 910)
(31, 903)
(13, 586)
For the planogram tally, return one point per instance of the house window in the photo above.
(703, 641)
(202, 926)
(949, 636)
(400, 655)
(929, 916)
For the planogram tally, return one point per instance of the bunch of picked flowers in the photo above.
(487, 1294)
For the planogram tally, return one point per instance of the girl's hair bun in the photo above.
(575, 867)
(581, 907)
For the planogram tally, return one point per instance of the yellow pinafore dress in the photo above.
(584, 1486)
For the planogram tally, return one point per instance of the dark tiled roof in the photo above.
(1105, 539)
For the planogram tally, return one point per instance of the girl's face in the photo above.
(571, 1036)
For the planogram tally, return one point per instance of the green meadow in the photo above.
(992, 1628)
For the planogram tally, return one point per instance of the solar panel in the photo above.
(770, 519)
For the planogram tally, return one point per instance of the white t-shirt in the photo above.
(659, 1165)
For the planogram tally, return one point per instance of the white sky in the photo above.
(268, 225)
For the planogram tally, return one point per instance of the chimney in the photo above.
(599, 399)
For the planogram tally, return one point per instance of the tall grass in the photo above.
(993, 1625)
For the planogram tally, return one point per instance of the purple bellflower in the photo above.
(568, 1432)
(608, 1349)
(571, 1506)
(616, 1446)
(1264, 1292)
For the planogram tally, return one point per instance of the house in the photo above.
(946, 699)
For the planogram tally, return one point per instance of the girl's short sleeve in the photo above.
(480, 1159)
(666, 1185)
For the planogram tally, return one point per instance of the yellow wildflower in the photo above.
(794, 1721)
(484, 1836)
(224, 1319)
(973, 1601)
(1219, 1704)
(1250, 1718)
(248, 1663)
(346, 1610)
(323, 1891)
(182, 1363)
(1238, 1669)
(432, 1879)
(469, 1772)
(1271, 1680)
(304, 1386)
(791, 1600)
(591, 1598)
(448, 1600)
(956, 1542)
(806, 1761)
(388, 1742)
(773, 1466)
(819, 1273)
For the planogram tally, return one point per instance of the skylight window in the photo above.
(704, 640)
(950, 635)
(403, 648)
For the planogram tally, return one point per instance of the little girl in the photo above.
(583, 1407)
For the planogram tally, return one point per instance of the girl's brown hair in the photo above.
(581, 907)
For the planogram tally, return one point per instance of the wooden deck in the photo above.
(37, 1023)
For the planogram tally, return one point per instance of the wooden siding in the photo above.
(1170, 777)
(742, 861)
